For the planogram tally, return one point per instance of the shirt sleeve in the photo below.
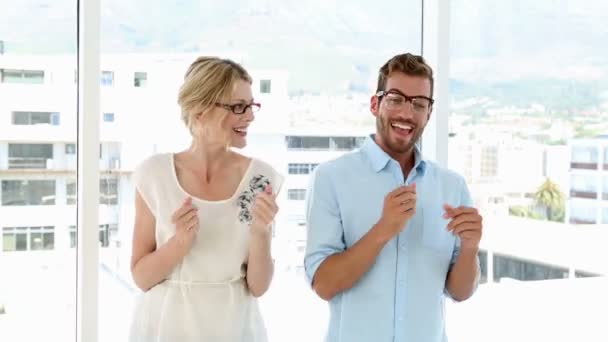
(325, 234)
(143, 184)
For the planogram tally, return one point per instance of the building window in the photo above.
(108, 117)
(301, 168)
(307, 143)
(70, 192)
(29, 156)
(489, 161)
(296, 194)
(582, 212)
(21, 76)
(514, 268)
(584, 157)
(106, 232)
(28, 238)
(605, 215)
(605, 189)
(584, 186)
(606, 158)
(323, 143)
(345, 143)
(107, 78)
(70, 149)
(108, 191)
(28, 192)
(35, 118)
(140, 79)
(265, 86)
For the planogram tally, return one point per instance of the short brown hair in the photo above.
(408, 64)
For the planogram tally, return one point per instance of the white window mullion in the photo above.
(436, 51)
(88, 169)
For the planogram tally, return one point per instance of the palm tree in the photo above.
(550, 197)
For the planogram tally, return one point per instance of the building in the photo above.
(588, 183)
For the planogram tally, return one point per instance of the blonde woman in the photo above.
(201, 243)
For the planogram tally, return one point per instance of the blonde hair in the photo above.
(209, 80)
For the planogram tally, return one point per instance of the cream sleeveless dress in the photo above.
(206, 297)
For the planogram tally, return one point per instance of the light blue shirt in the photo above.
(401, 297)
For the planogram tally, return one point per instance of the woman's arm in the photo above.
(151, 265)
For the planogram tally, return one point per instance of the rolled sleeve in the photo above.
(325, 235)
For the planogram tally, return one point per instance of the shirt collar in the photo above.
(379, 159)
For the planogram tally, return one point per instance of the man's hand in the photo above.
(399, 207)
(466, 223)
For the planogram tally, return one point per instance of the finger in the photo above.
(261, 215)
(452, 212)
(193, 225)
(188, 223)
(467, 226)
(470, 235)
(402, 189)
(184, 221)
(406, 196)
(463, 218)
(263, 202)
(187, 216)
(271, 201)
(186, 205)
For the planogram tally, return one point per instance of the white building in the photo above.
(588, 188)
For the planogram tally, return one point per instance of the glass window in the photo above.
(140, 79)
(108, 117)
(301, 169)
(108, 191)
(35, 118)
(38, 107)
(22, 76)
(70, 192)
(265, 86)
(296, 194)
(345, 143)
(319, 83)
(28, 192)
(107, 78)
(513, 106)
(28, 238)
(70, 148)
(584, 183)
(584, 154)
(29, 156)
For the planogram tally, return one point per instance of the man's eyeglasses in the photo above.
(396, 100)
(240, 108)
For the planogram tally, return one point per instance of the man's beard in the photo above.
(383, 127)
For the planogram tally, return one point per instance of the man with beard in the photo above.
(390, 234)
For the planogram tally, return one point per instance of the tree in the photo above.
(550, 197)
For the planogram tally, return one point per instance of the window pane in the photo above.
(527, 122)
(38, 104)
(314, 81)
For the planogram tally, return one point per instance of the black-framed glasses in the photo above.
(240, 108)
(396, 100)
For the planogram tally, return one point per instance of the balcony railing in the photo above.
(583, 166)
(583, 194)
(27, 163)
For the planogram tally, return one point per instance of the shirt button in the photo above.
(400, 318)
